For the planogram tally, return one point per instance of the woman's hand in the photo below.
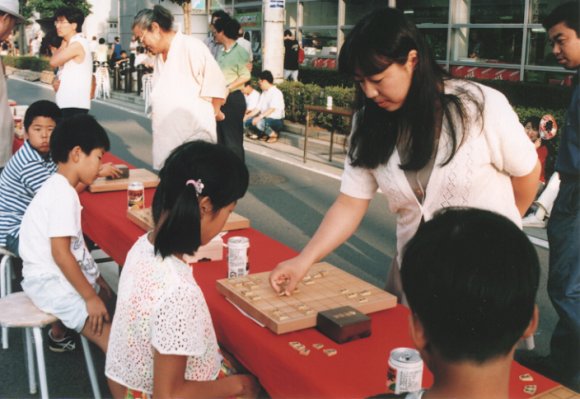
(288, 274)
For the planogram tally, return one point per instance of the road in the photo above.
(285, 201)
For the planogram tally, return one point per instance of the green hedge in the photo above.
(296, 94)
(27, 62)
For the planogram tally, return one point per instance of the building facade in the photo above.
(488, 39)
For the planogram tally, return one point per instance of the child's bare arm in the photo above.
(60, 247)
(168, 371)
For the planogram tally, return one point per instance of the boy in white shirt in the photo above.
(60, 276)
(266, 121)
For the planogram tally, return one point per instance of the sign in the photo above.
(276, 3)
(198, 7)
(250, 19)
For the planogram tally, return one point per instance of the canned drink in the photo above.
(405, 372)
(329, 102)
(136, 195)
(238, 261)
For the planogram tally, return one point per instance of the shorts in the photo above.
(55, 295)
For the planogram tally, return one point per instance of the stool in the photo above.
(5, 284)
(18, 311)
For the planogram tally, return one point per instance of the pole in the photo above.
(273, 38)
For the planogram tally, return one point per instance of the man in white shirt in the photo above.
(73, 58)
(267, 120)
(252, 98)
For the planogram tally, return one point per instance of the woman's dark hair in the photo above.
(72, 14)
(471, 278)
(161, 15)
(175, 206)
(44, 108)
(378, 40)
(51, 39)
(79, 130)
(230, 27)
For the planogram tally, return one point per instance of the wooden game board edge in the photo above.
(132, 216)
(222, 289)
(549, 393)
(102, 185)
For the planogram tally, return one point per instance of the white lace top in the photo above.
(159, 306)
(478, 176)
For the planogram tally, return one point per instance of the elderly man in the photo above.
(8, 18)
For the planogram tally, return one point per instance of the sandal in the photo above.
(272, 139)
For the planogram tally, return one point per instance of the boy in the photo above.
(267, 119)
(471, 278)
(252, 98)
(60, 276)
(75, 63)
(27, 170)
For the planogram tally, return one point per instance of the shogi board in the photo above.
(324, 287)
(102, 184)
(144, 219)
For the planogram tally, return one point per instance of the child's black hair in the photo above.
(266, 75)
(534, 120)
(471, 278)
(72, 14)
(78, 130)
(175, 205)
(44, 108)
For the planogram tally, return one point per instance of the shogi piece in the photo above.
(102, 184)
(343, 324)
(324, 287)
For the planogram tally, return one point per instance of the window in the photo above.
(321, 13)
(539, 9)
(437, 41)
(420, 11)
(489, 45)
(496, 11)
(357, 9)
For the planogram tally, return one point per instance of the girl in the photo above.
(426, 140)
(162, 340)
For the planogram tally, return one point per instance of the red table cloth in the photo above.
(357, 370)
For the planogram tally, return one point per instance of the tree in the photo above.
(46, 8)
(186, 6)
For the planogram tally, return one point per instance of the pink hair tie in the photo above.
(197, 184)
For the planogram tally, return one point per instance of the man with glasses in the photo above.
(8, 18)
(73, 58)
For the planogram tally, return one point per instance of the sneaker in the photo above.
(66, 344)
(533, 221)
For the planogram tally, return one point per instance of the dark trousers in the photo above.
(564, 278)
(68, 112)
(230, 131)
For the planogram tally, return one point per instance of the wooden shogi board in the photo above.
(144, 219)
(324, 287)
(102, 184)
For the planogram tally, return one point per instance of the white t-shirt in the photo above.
(252, 100)
(160, 306)
(55, 211)
(272, 98)
(478, 176)
(76, 78)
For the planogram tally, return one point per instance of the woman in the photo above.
(233, 60)
(426, 140)
(188, 85)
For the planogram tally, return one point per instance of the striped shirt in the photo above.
(20, 180)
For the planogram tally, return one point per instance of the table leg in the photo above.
(306, 136)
